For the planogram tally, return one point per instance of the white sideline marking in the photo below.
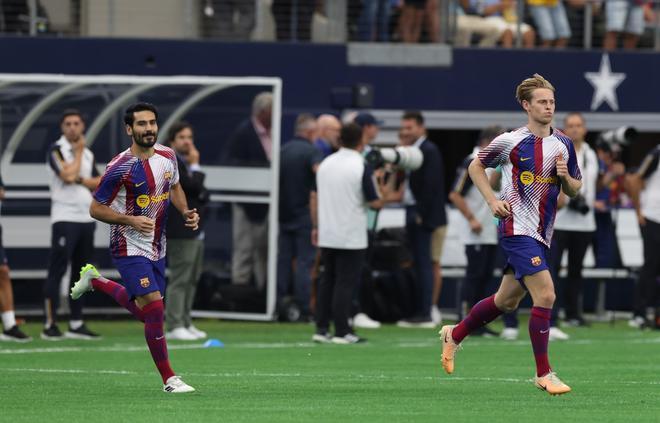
(441, 379)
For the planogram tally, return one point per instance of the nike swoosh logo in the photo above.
(158, 338)
(140, 184)
(524, 159)
(545, 331)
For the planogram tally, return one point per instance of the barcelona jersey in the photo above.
(529, 179)
(139, 187)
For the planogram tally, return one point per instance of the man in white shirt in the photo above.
(575, 226)
(73, 175)
(346, 189)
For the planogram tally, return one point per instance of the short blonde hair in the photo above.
(526, 88)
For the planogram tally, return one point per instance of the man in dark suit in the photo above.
(251, 145)
(425, 213)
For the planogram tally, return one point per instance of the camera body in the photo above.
(617, 139)
(405, 157)
(579, 204)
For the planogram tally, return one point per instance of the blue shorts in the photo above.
(624, 16)
(141, 275)
(524, 255)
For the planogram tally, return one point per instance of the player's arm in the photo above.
(106, 214)
(178, 198)
(569, 185)
(477, 171)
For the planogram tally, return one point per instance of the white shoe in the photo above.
(175, 385)
(557, 334)
(84, 284)
(349, 338)
(636, 322)
(436, 315)
(322, 338)
(199, 334)
(180, 334)
(361, 320)
(509, 334)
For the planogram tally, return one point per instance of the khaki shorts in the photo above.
(437, 242)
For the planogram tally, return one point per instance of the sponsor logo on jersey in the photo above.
(527, 178)
(167, 175)
(536, 261)
(144, 200)
(144, 282)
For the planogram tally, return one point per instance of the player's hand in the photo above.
(143, 224)
(500, 209)
(475, 225)
(192, 219)
(562, 167)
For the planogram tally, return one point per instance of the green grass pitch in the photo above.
(269, 372)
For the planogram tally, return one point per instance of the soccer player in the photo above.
(537, 162)
(133, 197)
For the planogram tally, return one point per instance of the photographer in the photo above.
(644, 189)
(575, 224)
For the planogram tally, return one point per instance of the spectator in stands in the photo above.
(251, 145)
(551, 22)
(432, 21)
(236, 19)
(623, 17)
(412, 17)
(299, 161)
(644, 188)
(328, 134)
(374, 22)
(426, 220)
(73, 176)
(10, 329)
(345, 189)
(575, 226)
(478, 230)
(185, 248)
(370, 126)
(293, 19)
(470, 22)
(503, 14)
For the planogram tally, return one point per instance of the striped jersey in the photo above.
(138, 187)
(529, 179)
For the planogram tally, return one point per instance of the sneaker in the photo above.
(509, 334)
(322, 338)
(200, 334)
(82, 332)
(52, 333)
(557, 334)
(175, 385)
(349, 338)
(449, 348)
(436, 315)
(361, 320)
(84, 284)
(637, 322)
(180, 334)
(416, 322)
(14, 334)
(551, 384)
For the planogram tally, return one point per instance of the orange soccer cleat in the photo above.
(449, 348)
(551, 383)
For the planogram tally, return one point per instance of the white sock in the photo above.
(8, 319)
(75, 324)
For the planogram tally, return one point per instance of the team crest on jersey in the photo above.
(536, 261)
(167, 175)
(144, 282)
(143, 200)
(527, 177)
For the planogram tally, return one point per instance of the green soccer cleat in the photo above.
(87, 273)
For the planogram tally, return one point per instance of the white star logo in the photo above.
(605, 83)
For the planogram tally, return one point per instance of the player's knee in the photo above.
(508, 306)
(548, 298)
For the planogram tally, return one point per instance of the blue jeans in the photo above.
(375, 17)
(295, 242)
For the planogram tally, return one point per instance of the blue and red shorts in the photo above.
(141, 275)
(524, 255)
